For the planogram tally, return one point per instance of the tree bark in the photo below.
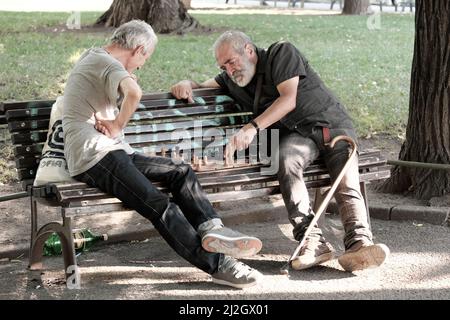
(427, 132)
(187, 3)
(165, 16)
(356, 7)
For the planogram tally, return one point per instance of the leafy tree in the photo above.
(427, 132)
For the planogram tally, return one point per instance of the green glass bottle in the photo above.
(83, 240)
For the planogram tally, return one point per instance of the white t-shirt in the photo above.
(92, 87)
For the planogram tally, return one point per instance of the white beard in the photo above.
(245, 75)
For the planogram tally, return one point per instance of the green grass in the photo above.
(368, 70)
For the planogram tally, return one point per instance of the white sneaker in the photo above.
(230, 242)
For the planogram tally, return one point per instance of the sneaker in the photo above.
(232, 243)
(235, 274)
(363, 255)
(314, 252)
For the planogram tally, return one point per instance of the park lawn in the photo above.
(368, 69)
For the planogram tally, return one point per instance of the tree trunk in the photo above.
(165, 16)
(427, 132)
(356, 7)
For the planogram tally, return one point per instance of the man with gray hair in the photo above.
(285, 94)
(98, 155)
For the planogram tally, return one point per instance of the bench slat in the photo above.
(184, 112)
(28, 150)
(169, 136)
(134, 128)
(29, 137)
(114, 205)
(91, 208)
(243, 114)
(242, 194)
(14, 105)
(16, 126)
(196, 93)
(206, 182)
(27, 162)
(28, 173)
(173, 103)
(36, 113)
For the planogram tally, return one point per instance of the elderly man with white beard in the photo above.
(286, 94)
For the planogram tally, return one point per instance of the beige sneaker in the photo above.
(363, 255)
(314, 252)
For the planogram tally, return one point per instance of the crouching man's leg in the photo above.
(360, 251)
(296, 153)
(116, 174)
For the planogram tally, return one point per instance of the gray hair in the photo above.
(236, 39)
(133, 34)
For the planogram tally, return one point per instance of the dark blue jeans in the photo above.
(128, 178)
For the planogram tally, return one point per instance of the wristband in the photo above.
(253, 123)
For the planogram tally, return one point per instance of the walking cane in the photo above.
(324, 204)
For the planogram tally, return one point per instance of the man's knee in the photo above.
(291, 165)
(296, 153)
(345, 192)
(154, 207)
(184, 169)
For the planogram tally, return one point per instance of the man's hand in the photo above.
(109, 128)
(183, 90)
(240, 140)
(230, 148)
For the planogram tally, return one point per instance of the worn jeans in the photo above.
(128, 178)
(295, 154)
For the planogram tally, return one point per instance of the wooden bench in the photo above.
(396, 3)
(151, 131)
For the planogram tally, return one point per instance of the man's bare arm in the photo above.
(284, 104)
(132, 94)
